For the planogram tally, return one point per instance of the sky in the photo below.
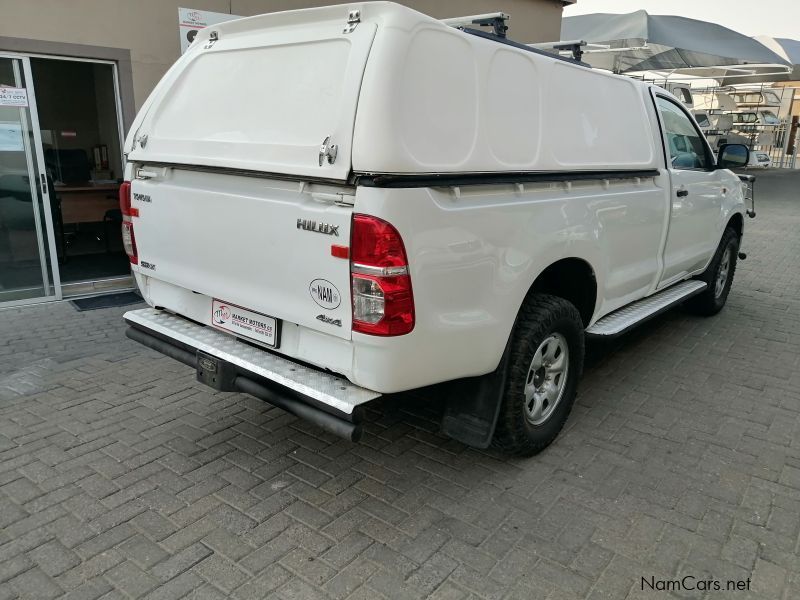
(776, 18)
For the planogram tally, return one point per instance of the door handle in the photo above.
(682, 193)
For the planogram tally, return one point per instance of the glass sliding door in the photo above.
(28, 254)
(78, 119)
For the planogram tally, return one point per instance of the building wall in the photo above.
(795, 85)
(149, 28)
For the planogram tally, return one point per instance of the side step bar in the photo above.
(627, 317)
(226, 364)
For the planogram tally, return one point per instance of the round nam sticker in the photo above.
(324, 293)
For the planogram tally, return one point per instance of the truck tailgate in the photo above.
(259, 244)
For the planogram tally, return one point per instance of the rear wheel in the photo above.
(718, 276)
(545, 364)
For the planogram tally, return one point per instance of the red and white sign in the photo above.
(190, 21)
(243, 322)
(12, 96)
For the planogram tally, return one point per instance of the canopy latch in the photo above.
(327, 151)
(213, 38)
(353, 19)
(141, 140)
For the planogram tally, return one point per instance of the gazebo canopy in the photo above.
(640, 42)
(787, 49)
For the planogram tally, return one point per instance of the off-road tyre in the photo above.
(711, 300)
(542, 316)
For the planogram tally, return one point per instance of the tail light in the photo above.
(383, 303)
(128, 238)
(125, 200)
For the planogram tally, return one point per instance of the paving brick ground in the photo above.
(121, 477)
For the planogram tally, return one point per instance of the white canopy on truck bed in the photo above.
(395, 91)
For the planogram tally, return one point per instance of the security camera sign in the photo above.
(190, 21)
(12, 96)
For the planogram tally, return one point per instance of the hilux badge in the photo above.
(325, 228)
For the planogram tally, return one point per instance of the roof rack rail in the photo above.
(498, 23)
(495, 20)
(527, 47)
(576, 47)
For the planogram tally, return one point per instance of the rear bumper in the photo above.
(333, 403)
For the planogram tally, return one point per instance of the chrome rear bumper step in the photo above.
(328, 400)
(627, 317)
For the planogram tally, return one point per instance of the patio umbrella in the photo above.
(785, 48)
(640, 42)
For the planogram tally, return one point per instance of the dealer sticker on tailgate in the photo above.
(243, 322)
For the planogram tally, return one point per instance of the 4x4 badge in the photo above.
(329, 321)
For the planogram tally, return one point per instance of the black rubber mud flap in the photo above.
(473, 405)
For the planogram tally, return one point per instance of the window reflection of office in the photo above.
(80, 138)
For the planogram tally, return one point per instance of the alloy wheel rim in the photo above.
(722, 273)
(546, 379)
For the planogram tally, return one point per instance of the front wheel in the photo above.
(545, 364)
(718, 276)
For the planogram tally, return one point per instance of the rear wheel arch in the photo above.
(474, 404)
(572, 279)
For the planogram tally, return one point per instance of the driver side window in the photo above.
(686, 147)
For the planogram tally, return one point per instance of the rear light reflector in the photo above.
(125, 200)
(129, 242)
(383, 302)
(128, 239)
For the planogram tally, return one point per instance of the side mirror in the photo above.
(733, 156)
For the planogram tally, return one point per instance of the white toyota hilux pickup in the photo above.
(324, 206)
